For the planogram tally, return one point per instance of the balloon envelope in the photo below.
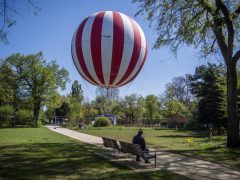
(109, 49)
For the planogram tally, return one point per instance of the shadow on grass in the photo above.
(65, 161)
(182, 136)
(218, 154)
(49, 160)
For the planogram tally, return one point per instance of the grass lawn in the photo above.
(28, 153)
(183, 142)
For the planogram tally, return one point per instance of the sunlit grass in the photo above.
(183, 142)
(38, 153)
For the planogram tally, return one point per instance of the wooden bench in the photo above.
(111, 143)
(135, 149)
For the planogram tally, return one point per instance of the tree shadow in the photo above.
(66, 161)
(217, 154)
(50, 160)
(182, 136)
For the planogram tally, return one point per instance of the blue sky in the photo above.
(52, 29)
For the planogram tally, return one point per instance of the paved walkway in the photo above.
(187, 166)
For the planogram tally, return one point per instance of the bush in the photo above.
(25, 117)
(192, 124)
(6, 115)
(74, 114)
(102, 121)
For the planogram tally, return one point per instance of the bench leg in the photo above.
(155, 159)
(113, 153)
(118, 154)
(101, 149)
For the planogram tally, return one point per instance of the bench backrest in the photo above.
(112, 143)
(134, 149)
(115, 144)
(106, 142)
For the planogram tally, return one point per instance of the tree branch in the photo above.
(236, 56)
(229, 24)
(237, 11)
(217, 29)
(206, 6)
(4, 15)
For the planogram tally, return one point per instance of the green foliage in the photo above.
(63, 110)
(130, 106)
(6, 115)
(179, 90)
(34, 79)
(211, 27)
(102, 121)
(75, 113)
(6, 110)
(209, 85)
(101, 104)
(6, 85)
(89, 112)
(77, 92)
(192, 124)
(54, 103)
(152, 105)
(106, 99)
(192, 22)
(72, 107)
(174, 108)
(24, 117)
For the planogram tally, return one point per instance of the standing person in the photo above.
(139, 139)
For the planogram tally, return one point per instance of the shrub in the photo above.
(102, 121)
(6, 115)
(25, 117)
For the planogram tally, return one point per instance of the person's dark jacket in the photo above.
(138, 139)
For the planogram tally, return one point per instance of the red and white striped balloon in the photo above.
(109, 49)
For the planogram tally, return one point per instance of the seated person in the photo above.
(139, 139)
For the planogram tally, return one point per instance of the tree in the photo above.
(89, 112)
(141, 107)
(75, 111)
(11, 93)
(208, 84)
(212, 26)
(7, 13)
(106, 99)
(108, 93)
(130, 104)
(36, 78)
(101, 103)
(152, 105)
(54, 103)
(173, 110)
(77, 92)
(63, 110)
(6, 85)
(179, 89)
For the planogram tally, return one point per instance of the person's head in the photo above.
(140, 132)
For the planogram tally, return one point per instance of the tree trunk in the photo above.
(36, 114)
(233, 122)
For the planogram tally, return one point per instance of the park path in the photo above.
(187, 166)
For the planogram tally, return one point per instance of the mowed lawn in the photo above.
(182, 142)
(29, 153)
